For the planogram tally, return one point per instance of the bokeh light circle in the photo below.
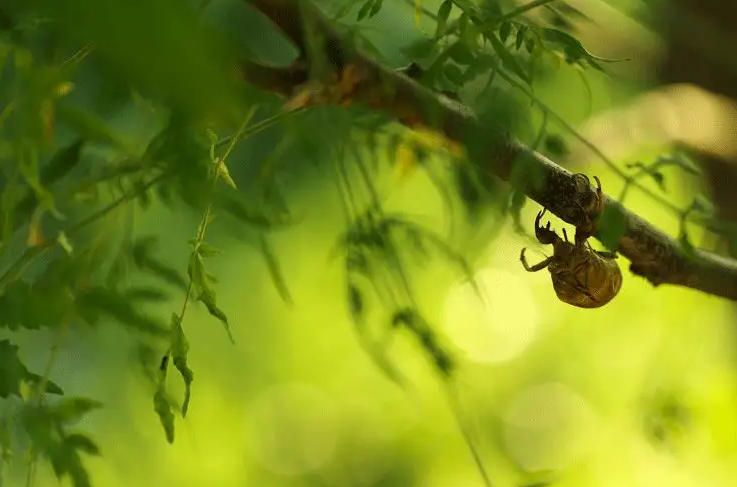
(548, 427)
(498, 328)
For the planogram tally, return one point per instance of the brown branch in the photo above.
(282, 81)
(653, 254)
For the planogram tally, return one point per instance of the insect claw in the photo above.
(544, 234)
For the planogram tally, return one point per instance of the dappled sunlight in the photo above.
(549, 427)
(496, 326)
(343, 276)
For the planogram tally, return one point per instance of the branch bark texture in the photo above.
(653, 254)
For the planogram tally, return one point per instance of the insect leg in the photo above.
(537, 267)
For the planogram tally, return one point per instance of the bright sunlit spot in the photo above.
(498, 328)
(293, 429)
(548, 427)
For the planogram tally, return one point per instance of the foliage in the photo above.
(70, 168)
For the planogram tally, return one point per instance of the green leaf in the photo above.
(612, 227)
(504, 31)
(507, 58)
(702, 205)
(572, 48)
(443, 15)
(142, 254)
(206, 250)
(32, 307)
(454, 74)
(355, 302)
(275, 270)
(375, 8)
(172, 56)
(686, 244)
(556, 145)
(72, 409)
(91, 127)
(420, 49)
(658, 177)
(179, 350)
(100, 300)
(461, 53)
(13, 373)
(48, 437)
(163, 410)
(145, 294)
(207, 297)
(521, 32)
(82, 443)
(364, 10)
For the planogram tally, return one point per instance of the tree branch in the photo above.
(653, 254)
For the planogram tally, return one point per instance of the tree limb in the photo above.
(653, 254)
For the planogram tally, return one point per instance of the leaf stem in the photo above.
(17, 267)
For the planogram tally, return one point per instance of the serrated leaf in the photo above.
(163, 410)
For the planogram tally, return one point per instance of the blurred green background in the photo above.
(642, 392)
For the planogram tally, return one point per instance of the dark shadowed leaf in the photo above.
(82, 443)
(71, 409)
(13, 373)
(117, 306)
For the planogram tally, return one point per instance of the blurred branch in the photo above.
(282, 81)
(653, 254)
